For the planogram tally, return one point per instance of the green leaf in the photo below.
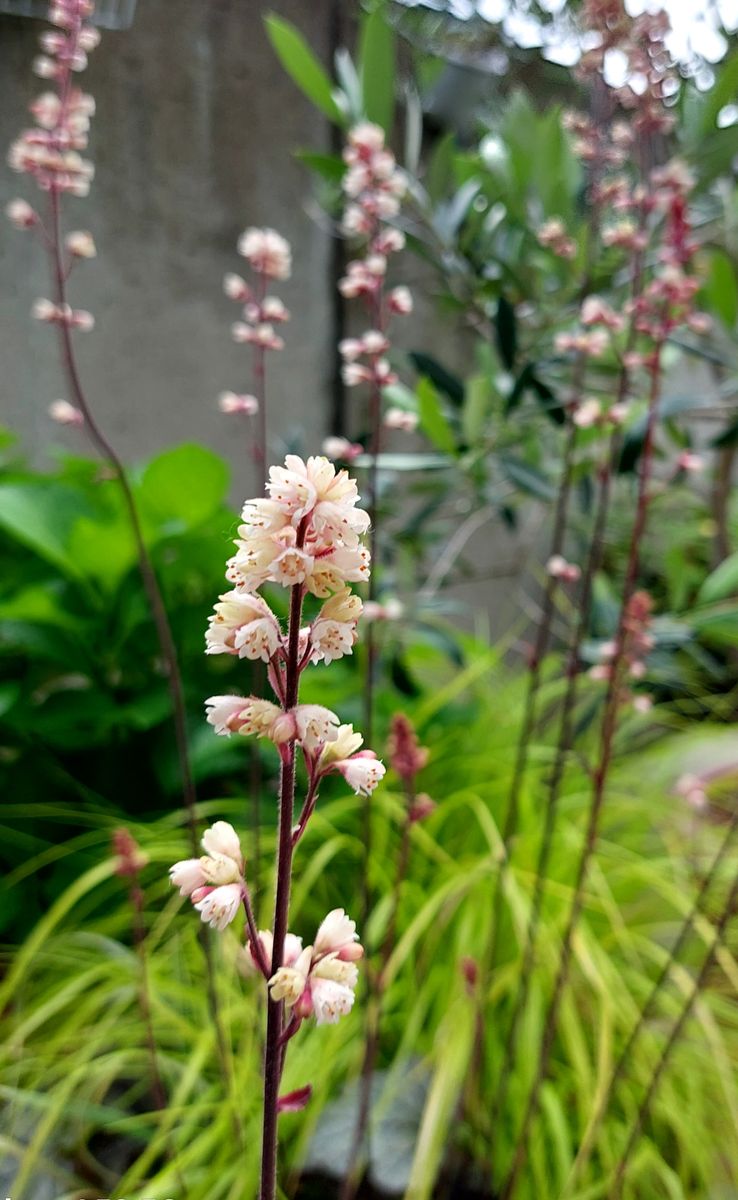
(529, 479)
(527, 380)
(433, 420)
(506, 332)
(377, 68)
(477, 405)
(722, 584)
(40, 516)
(302, 66)
(439, 178)
(721, 289)
(186, 484)
(442, 379)
(329, 166)
(717, 624)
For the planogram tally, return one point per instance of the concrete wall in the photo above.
(192, 141)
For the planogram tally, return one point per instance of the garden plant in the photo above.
(504, 963)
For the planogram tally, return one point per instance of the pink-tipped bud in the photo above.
(421, 808)
(400, 418)
(20, 214)
(236, 288)
(233, 402)
(131, 858)
(470, 972)
(342, 449)
(405, 754)
(401, 301)
(303, 1007)
(80, 244)
(689, 461)
(65, 413)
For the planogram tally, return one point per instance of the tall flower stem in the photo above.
(273, 1058)
(609, 726)
(158, 610)
(355, 1165)
(146, 569)
(625, 1058)
(636, 1129)
(542, 639)
(258, 675)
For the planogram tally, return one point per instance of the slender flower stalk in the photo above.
(599, 153)
(51, 153)
(407, 758)
(269, 257)
(666, 303)
(374, 187)
(130, 862)
(636, 1129)
(305, 536)
(626, 1056)
(614, 417)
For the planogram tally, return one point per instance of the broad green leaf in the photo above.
(186, 485)
(433, 420)
(302, 66)
(442, 379)
(40, 516)
(377, 68)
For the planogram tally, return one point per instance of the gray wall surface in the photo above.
(192, 141)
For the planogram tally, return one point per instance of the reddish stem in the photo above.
(273, 1058)
(609, 725)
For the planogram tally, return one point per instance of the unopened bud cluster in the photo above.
(269, 256)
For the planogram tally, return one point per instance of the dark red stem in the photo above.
(275, 1012)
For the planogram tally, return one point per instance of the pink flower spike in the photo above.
(295, 1101)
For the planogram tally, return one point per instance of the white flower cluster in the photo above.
(214, 883)
(318, 980)
(374, 187)
(305, 534)
(50, 152)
